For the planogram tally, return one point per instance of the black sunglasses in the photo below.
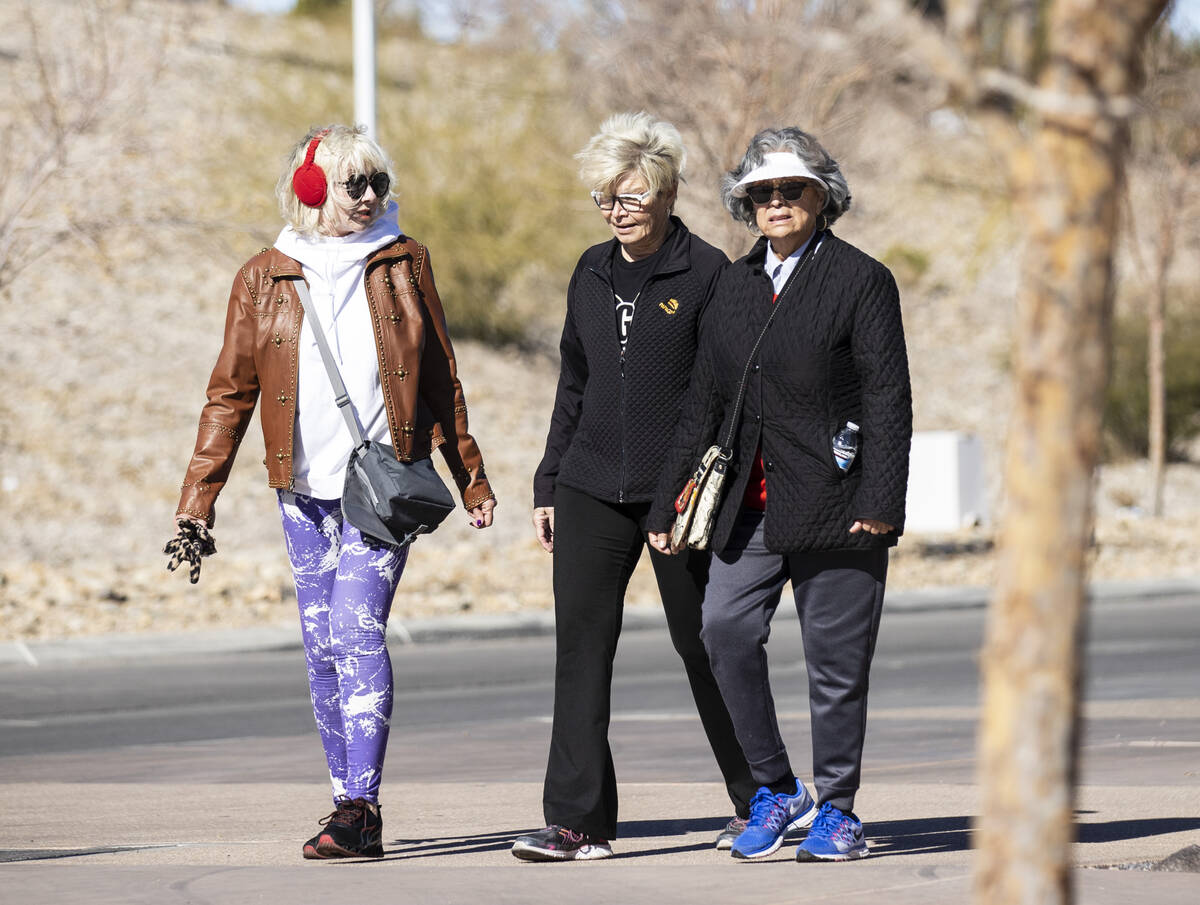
(356, 185)
(788, 191)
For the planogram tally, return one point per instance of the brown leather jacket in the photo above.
(421, 391)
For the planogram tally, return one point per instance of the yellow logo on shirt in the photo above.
(670, 306)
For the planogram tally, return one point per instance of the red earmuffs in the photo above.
(308, 182)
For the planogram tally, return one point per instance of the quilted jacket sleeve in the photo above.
(568, 405)
(881, 359)
(701, 416)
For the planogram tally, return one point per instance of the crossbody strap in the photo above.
(727, 447)
(341, 397)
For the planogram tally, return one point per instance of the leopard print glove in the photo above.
(191, 542)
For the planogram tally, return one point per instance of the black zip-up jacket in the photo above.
(615, 411)
(834, 353)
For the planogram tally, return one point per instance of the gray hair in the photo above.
(633, 143)
(810, 152)
(343, 151)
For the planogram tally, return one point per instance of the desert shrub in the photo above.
(483, 139)
(906, 262)
(320, 8)
(488, 183)
(1127, 406)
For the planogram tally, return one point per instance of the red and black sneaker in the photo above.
(310, 847)
(559, 843)
(354, 830)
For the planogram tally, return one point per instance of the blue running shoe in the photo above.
(771, 816)
(834, 836)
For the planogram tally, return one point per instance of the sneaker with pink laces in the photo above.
(732, 830)
(560, 843)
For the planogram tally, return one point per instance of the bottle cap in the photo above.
(852, 425)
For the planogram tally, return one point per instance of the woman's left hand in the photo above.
(662, 542)
(481, 515)
(872, 526)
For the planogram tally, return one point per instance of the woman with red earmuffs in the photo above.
(373, 294)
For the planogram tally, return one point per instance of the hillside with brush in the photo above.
(144, 140)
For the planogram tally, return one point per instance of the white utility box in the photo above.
(946, 488)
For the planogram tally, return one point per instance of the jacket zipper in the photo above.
(621, 366)
(621, 361)
(621, 477)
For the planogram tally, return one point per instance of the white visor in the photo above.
(776, 165)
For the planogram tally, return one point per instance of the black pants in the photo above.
(839, 597)
(596, 546)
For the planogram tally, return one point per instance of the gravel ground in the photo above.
(126, 589)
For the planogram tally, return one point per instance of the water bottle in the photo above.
(845, 446)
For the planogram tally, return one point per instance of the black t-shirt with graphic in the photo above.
(628, 279)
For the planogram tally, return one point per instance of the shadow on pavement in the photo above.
(953, 834)
(920, 835)
(454, 845)
(502, 841)
(1117, 830)
(677, 827)
(924, 835)
(45, 854)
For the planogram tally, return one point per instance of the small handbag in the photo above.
(389, 501)
(697, 504)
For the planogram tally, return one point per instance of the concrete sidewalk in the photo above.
(164, 824)
(480, 626)
(448, 843)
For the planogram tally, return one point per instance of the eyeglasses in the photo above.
(788, 191)
(356, 185)
(632, 203)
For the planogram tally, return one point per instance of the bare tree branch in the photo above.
(77, 92)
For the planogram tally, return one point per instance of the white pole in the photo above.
(364, 64)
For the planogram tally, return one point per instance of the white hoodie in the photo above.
(333, 267)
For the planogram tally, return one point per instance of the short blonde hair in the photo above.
(343, 151)
(633, 143)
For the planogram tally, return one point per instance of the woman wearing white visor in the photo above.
(793, 510)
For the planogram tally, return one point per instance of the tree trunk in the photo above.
(1067, 177)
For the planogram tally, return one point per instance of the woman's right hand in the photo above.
(191, 543)
(543, 526)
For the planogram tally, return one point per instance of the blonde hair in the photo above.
(633, 143)
(343, 151)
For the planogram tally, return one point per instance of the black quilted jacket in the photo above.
(614, 412)
(834, 353)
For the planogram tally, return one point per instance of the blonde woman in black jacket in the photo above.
(834, 354)
(628, 344)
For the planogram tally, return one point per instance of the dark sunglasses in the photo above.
(788, 191)
(356, 185)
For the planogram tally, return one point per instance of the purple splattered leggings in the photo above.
(344, 590)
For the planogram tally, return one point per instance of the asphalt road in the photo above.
(480, 710)
(193, 779)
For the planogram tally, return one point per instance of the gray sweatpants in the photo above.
(839, 598)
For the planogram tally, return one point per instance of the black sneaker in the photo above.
(354, 830)
(558, 843)
(310, 847)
